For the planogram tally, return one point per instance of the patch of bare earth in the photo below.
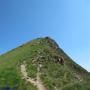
(36, 82)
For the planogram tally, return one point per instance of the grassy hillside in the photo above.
(54, 75)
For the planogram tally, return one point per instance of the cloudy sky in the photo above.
(66, 21)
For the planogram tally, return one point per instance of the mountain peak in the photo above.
(42, 61)
(49, 42)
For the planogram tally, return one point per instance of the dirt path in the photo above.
(37, 83)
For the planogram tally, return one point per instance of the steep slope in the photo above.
(47, 67)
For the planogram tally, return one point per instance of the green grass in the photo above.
(52, 74)
(32, 70)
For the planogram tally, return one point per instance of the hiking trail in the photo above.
(37, 82)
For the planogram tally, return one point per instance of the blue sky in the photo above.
(66, 21)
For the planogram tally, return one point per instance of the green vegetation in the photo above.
(69, 76)
(32, 70)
